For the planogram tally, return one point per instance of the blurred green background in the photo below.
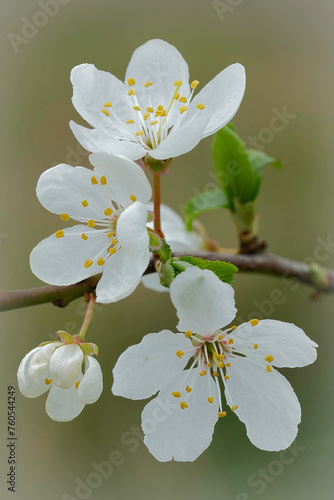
(287, 49)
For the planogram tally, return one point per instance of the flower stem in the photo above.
(157, 203)
(88, 316)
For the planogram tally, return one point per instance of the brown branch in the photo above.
(322, 280)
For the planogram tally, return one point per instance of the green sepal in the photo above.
(66, 337)
(89, 348)
(203, 202)
(155, 242)
(164, 251)
(224, 270)
(150, 216)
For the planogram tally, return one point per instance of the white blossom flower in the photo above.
(177, 237)
(154, 112)
(111, 238)
(190, 368)
(65, 368)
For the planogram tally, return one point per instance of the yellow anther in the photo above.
(133, 197)
(222, 414)
(146, 115)
(84, 203)
(160, 107)
(103, 180)
(254, 322)
(269, 358)
(230, 341)
(88, 263)
(234, 407)
(255, 346)
(203, 373)
(105, 111)
(179, 354)
(228, 365)
(139, 132)
(150, 110)
(108, 211)
(201, 107)
(209, 365)
(220, 337)
(110, 235)
(77, 384)
(65, 217)
(183, 109)
(176, 95)
(113, 241)
(48, 381)
(183, 99)
(215, 374)
(176, 394)
(178, 83)
(198, 105)
(136, 108)
(154, 122)
(227, 377)
(148, 84)
(60, 234)
(94, 180)
(188, 334)
(188, 389)
(233, 327)
(84, 236)
(112, 250)
(131, 81)
(107, 104)
(194, 84)
(183, 405)
(91, 223)
(210, 400)
(220, 364)
(100, 261)
(268, 368)
(132, 92)
(130, 121)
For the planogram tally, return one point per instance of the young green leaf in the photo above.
(203, 202)
(224, 270)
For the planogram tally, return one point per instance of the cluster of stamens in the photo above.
(152, 125)
(107, 224)
(214, 356)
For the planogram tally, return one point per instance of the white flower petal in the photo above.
(61, 261)
(144, 368)
(175, 232)
(162, 64)
(121, 275)
(183, 139)
(131, 229)
(40, 359)
(173, 433)
(65, 365)
(221, 97)
(152, 282)
(96, 140)
(63, 405)
(62, 189)
(287, 343)
(203, 302)
(266, 403)
(28, 387)
(91, 384)
(124, 176)
(91, 89)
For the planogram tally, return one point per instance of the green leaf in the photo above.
(259, 160)
(233, 168)
(203, 202)
(224, 270)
